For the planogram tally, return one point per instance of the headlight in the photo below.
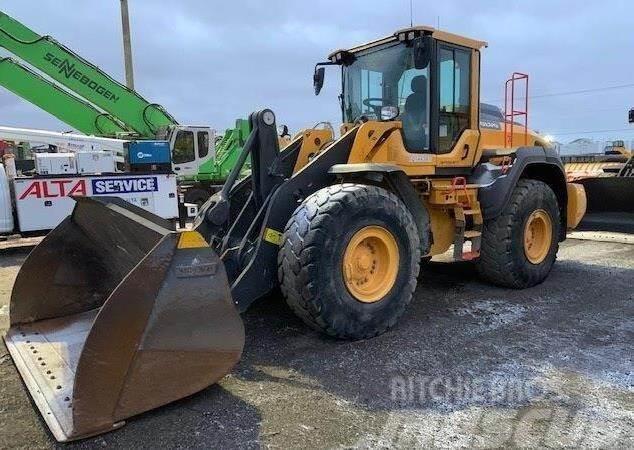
(268, 117)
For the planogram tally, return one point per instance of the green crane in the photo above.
(197, 187)
(98, 104)
(77, 113)
(83, 78)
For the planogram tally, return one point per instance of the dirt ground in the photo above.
(468, 365)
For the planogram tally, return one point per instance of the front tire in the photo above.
(519, 247)
(349, 260)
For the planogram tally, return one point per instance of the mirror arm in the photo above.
(325, 63)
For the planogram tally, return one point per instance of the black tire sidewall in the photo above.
(342, 313)
(542, 198)
(334, 265)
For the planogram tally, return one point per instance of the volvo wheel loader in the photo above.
(115, 313)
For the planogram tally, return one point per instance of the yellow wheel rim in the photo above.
(538, 236)
(370, 264)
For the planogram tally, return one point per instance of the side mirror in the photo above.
(631, 116)
(318, 79)
(422, 51)
(389, 113)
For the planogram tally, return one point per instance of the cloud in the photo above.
(212, 62)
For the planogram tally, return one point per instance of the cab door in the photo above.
(205, 149)
(184, 152)
(191, 147)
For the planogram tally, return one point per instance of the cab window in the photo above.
(388, 76)
(371, 87)
(413, 104)
(184, 147)
(203, 144)
(455, 95)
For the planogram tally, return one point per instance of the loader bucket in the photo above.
(114, 314)
(610, 204)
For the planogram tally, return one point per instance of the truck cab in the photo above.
(191, 147)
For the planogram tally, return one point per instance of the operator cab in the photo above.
(425, 78)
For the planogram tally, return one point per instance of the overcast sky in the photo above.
(209, 62)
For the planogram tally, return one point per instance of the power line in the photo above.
(580, 91)
(592, 131)
(584, 91)
(577, 112)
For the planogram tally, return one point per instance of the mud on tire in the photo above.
(311, 254)
(502, 258)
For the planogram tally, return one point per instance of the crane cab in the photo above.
(191, 147)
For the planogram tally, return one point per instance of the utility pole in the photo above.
(127, 45)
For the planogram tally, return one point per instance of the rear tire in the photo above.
(317, 241)
(505, 257)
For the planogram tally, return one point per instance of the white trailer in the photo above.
(195, 145)
(39, 203)
(65, 142)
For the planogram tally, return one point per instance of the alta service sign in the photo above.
(121, 185)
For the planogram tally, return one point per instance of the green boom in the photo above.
(66, 107)
(83, 78)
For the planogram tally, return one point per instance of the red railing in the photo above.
(511, 112)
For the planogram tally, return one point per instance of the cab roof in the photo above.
(403, 34)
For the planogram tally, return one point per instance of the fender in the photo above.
(528, 162)
(399, 184)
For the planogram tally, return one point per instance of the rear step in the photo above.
(467, 230)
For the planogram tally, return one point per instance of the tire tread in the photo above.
(497, 263)
(306, 229)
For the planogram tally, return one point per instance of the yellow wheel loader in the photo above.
(115, 313)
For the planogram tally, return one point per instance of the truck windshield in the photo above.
(183, 147)
(386, 76)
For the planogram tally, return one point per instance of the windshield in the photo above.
(386, 76)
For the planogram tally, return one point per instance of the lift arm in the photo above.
(83, 78)
(51, 98)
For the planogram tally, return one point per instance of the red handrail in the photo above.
(510, 113)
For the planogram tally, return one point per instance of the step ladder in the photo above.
(628, 168)
(468, 217)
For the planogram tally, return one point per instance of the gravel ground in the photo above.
(468, 365)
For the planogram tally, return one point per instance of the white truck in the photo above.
(39, 202)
